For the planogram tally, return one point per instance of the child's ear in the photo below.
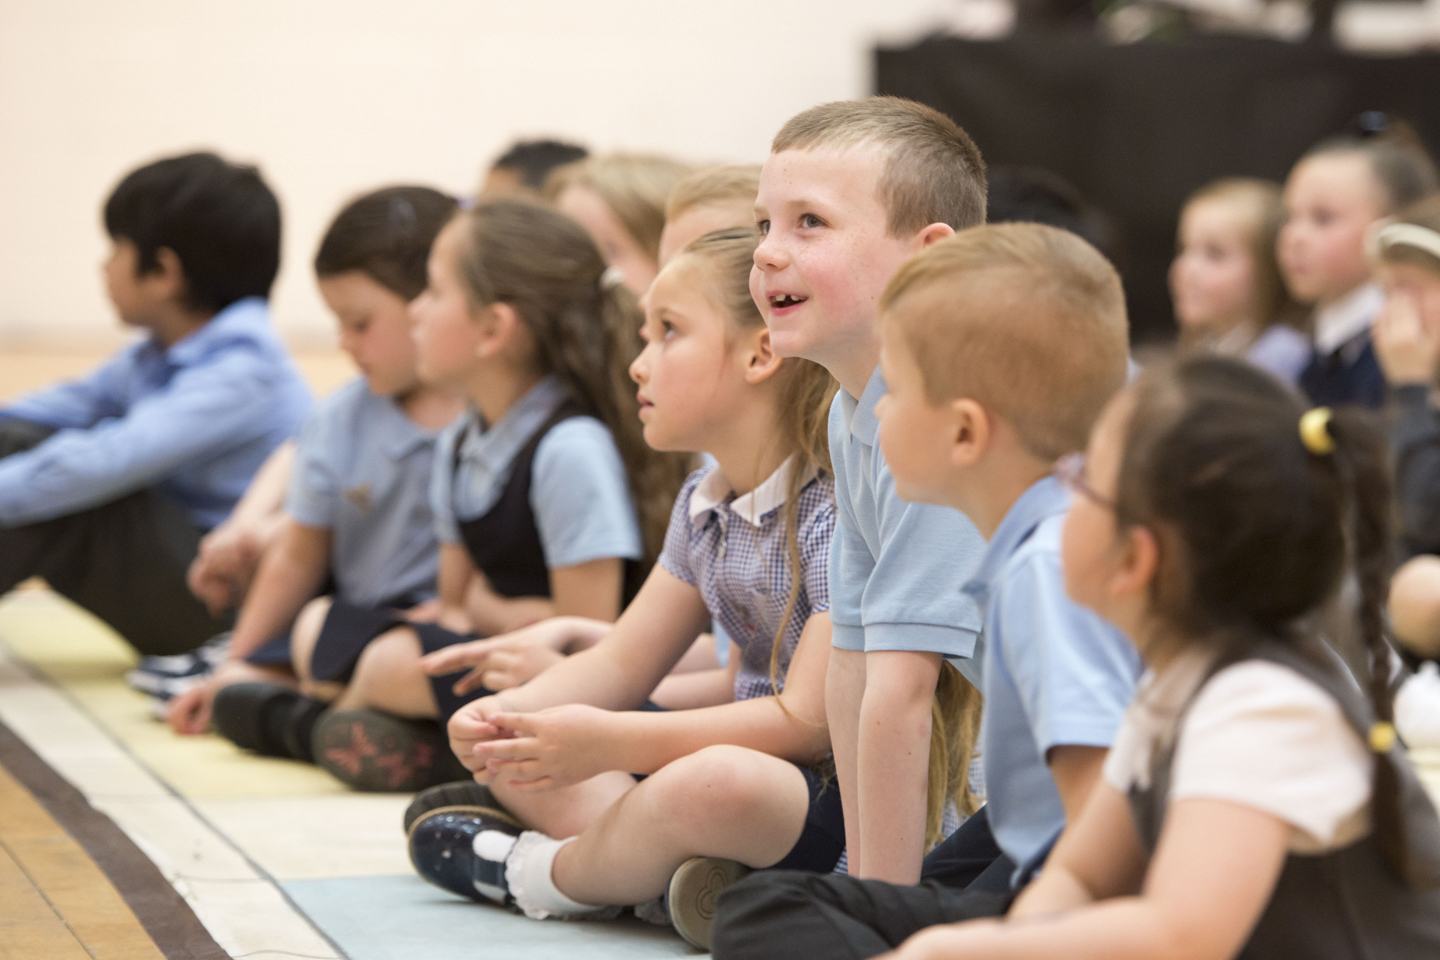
(1139, 560)
(167, 280)
(934, 233)
(761, 360)
(971, 431)
(499, 325)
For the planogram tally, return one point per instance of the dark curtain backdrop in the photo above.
(1137, 128)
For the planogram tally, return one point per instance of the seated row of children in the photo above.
(948, 539)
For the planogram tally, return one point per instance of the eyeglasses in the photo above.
(1070, 471)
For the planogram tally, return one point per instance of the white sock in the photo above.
(527, 872)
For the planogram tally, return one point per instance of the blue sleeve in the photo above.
(580, 496)
(913, 600)
(314, 487)
(81, 403)
(850, 561)
(442, 501)
(675, 555)
(204, 410)
(1074, 674)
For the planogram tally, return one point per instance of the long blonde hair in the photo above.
(954, 729)
(726, 256)
(634, 186)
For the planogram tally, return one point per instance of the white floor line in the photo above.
(245, 910)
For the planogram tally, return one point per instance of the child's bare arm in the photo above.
(893, 752)
(844, 690)
(1209, 881)
(1098, 856)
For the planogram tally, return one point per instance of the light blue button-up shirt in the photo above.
(1055, 673)
(362, 471)
(195, 420)
(579, 491)
(896, 567)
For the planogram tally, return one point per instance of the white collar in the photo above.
(752, 507)
(1347, 317)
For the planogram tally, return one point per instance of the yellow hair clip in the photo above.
(1382, 737)
(1315, 431)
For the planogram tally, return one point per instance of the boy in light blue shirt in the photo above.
(1000, 345)
(107, 484)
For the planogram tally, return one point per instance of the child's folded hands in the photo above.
(551, 748)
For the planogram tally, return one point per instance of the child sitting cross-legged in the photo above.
(748, 545)
(1256, 802)
(1000, 346)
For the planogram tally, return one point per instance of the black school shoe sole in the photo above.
(460, 794)
(376, 752)
(442, 850)
(268, 718)
(693, 892)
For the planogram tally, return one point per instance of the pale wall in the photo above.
(332, 97)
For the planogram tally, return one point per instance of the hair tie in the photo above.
(1384, 234)
(1382, 736)
(1315, 431)
(611, 278)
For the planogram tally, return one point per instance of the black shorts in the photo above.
(823, 840)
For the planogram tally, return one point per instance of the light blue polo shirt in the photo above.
(895, 566)
(362, 471)
(579, 490)
(1055, 673)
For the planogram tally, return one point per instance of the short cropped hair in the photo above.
(219, 218)
(1026, 319)
(727, 186)
(534, 160)
(934, 172)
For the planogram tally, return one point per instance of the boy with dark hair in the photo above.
(526, 164)
(107, 483)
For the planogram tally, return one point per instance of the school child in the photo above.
(1332, 196)
(547, 501)
(1225, 281)
(1001, 345)
(107, 484)
(619, 199)
(1256, 802)
(525, 165)
(850, 191)
(357, 512)
(737, 785)
(710, 199)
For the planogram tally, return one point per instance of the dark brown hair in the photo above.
(1255, 530)
(387, 236)
(933, 174)
(541, 263)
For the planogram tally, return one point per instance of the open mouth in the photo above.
(783, 301)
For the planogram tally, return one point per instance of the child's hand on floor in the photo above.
(555, 747)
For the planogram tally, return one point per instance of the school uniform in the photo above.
(735, 551)
(894, 565)
(1055, 675)
(1284, 731)
(362, 472)
(542, 488)
(108, 483)
(1279, 350)
(1343, 369)
(1415, 447)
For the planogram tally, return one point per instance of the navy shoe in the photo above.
(464, 851)
(445, 796)
(271, 719)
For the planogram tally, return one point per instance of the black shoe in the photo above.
(465, 794)
(374, 751)
(464, 851)
(272, 720)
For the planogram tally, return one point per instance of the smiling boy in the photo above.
(850, 191)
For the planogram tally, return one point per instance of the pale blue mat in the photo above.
(404, 918)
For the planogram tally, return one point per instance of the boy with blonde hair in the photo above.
(852, 190)
(1001, 345)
